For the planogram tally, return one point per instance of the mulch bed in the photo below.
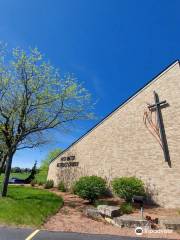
(71, 218)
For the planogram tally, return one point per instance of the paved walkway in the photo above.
(25, 234)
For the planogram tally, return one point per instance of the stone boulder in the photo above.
(170, 223)
(109, 211)
(92, 213)
(129, 221)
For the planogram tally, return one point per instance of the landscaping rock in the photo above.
(129, 221)
(109, 211)
(92, 213)
(109, 220)
(170, 223)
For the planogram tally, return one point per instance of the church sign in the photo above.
(67, 162)
(68, 158)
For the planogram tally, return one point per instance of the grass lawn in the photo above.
(40, 177)
(28, 206)
(18, 175)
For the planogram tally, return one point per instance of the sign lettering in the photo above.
(67, 162)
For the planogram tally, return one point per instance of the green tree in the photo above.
(34, 98)
(45, 163)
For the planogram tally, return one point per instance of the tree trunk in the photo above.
(7, 174)
(2, 164)
(1, 168)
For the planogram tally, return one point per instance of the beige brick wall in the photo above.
(122, 146)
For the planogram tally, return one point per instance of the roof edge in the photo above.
(155, 78)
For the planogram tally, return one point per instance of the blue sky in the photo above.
(113, 46)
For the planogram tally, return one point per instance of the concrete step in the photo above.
(128, 221)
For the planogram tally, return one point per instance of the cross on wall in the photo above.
(157, 106)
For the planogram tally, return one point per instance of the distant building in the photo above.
(132, 141)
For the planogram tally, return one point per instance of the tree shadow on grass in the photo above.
(42, 198)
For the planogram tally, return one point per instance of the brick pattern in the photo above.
(122, 146)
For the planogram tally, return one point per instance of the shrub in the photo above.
(126, 208)
(127, 187)
(61, 187)
(90, 187)
(40, 183)
(49, 184)
(33, 182)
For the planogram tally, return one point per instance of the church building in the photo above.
(140, 138)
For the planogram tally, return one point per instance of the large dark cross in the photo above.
(157, 107)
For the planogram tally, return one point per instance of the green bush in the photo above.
(49, 184)
(40, 183)
(126, 208)
(127, 187)
(61, 187)
(33, 182)
(90, 187)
